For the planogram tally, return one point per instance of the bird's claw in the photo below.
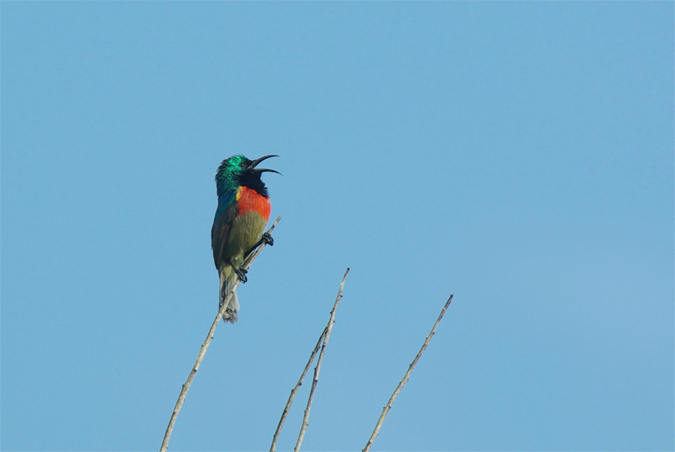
(241, 273)
(267, 239)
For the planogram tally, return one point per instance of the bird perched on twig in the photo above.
(242, 214)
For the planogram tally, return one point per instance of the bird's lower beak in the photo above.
(262, 170)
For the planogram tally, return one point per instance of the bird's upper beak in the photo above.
(255, 163)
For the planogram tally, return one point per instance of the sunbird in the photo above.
(242, 214)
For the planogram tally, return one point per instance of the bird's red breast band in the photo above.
(250, 200)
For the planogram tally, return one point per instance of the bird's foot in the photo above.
(266, 238)
(241, 273)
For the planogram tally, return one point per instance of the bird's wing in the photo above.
(227, 209)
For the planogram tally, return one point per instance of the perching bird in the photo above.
(242, 214)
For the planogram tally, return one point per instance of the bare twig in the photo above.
(329, 327)
(295, 389)
(387, 407)
(205, 346)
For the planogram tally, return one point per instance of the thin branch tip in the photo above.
(317, 369)
(320, 345)
(406, 377)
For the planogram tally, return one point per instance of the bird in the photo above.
(241, 216)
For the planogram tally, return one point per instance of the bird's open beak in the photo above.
(255, 163)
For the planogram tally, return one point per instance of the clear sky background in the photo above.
(516, 154)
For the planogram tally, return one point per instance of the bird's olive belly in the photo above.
(245, 232)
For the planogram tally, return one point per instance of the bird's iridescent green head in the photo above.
(239, 171)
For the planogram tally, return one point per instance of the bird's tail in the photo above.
(227, 281)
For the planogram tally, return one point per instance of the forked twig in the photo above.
(387, 407)
(329, 327)
(205, 346)
(294, 390)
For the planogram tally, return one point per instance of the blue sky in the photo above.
(516, 154)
